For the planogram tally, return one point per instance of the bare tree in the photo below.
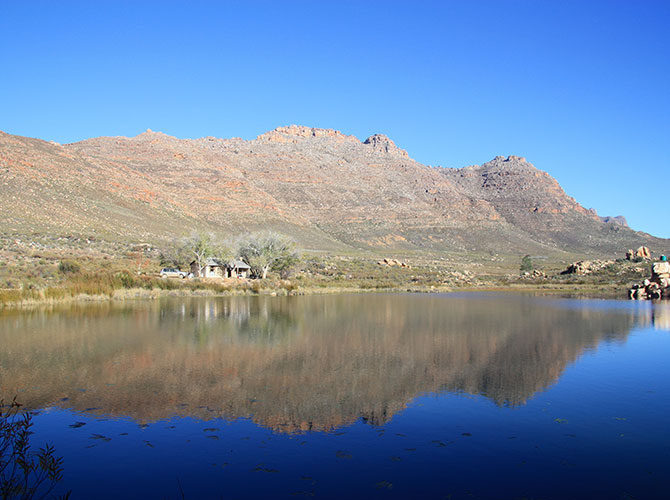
(265, 251)
(176, 253)
(200, 247)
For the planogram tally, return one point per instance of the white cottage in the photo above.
(214, 268)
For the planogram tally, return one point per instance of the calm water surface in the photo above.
(363, 396)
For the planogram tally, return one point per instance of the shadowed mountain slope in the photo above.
(325, 188)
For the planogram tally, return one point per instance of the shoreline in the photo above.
(589, 291)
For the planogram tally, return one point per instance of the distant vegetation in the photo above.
(268, 251)
(69, 267)
(262, 251)
(38, 271)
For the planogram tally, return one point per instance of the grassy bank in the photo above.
(44, 277)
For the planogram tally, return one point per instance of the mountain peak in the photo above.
(509, 161)
(148, 133)
(295, 133)
(383, 144)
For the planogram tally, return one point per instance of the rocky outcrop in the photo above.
(641, 253)
(619, 220)
(587, 266)
(656, 287)
(294, 133)
(383, 144)
(392, 262)
(534, 274)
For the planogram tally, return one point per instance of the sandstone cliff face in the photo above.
(327, 189)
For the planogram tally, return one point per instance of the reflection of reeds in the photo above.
(293, 364)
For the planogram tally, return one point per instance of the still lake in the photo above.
(361, 396)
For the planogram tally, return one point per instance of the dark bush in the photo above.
(69, 267)
(25, 473)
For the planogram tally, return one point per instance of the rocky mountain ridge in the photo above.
(327, 189)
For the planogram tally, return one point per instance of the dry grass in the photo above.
(45, 278)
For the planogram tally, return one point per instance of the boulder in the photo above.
(643, 252)
(586, 266)
(660, 268)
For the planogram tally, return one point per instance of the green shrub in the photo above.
(69, 267)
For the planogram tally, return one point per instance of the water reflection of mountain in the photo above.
(293, 363)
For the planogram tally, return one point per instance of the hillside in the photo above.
(328, 190)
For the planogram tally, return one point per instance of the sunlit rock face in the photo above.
(295, 363)
(327, 189)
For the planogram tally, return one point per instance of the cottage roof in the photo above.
(238, 264)
(210, 262)
(233, 264)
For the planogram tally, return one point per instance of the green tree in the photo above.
(526, 264)
(266, 251)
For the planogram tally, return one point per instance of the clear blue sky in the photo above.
(581, 88)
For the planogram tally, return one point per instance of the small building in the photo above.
(217, 269)
(238, 269)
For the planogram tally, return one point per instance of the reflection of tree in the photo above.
(245, 319)
(24, 473)
(297, 363)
